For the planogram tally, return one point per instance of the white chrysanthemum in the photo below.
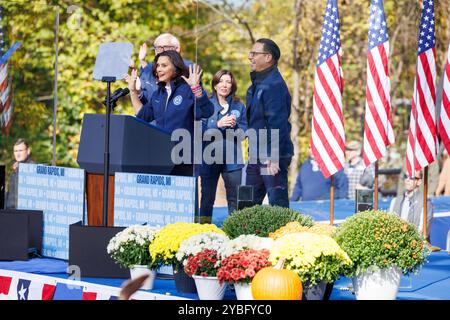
(200, 242)
(137, 234)
(245, 242)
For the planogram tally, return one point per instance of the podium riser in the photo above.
(94, 198)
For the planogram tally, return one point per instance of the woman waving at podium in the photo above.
(179, 99)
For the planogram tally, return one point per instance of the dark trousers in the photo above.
(275, 186)
(209, 186)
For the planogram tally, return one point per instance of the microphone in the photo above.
(116, 95)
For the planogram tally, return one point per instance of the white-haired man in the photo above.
(163, 42)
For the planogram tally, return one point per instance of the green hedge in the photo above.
(261, 220)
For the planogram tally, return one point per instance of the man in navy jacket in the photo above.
(268, 108)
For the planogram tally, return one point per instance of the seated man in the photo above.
(312, 185)
(359, 177)
(409, 205)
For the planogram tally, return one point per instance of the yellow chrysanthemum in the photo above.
(322, 228)
(303, 252)
(290, 227)
(168, 240)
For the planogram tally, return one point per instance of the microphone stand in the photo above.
(108, 81)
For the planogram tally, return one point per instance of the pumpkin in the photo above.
(276, 283)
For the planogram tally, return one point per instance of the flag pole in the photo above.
(425, 201)
(332, 200)
(55, 88)
(375, 186)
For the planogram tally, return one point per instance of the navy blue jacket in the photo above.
(312, 185)
(149, 83)
(237, 108)
(269, 107)
(179, 111)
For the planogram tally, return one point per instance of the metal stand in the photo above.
(108, 81)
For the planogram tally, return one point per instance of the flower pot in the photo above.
(243, 291)
(328, 291)
(138, 270)
(183, 282)
(209, 288)
(315, 292)
(379, 285)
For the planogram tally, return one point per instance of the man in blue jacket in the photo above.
(268, 108)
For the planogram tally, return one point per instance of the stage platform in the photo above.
(46, 279)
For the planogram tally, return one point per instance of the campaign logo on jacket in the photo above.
(177, 100)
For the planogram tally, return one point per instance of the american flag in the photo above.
(378, 131)
(17, 288)
(422, 138)
(444, 122)
(327, 135)
(6, 107)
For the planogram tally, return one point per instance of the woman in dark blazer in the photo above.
(229, 115)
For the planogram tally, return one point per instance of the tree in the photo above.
(219, 37)
(83, 27)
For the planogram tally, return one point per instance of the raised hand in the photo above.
(132, 81)
(143, 52)
(138, 84)
(195, 74)
(142, 55)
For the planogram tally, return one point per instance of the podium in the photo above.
(135, 146)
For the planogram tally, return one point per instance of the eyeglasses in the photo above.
(251, 54)
(163, 48)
